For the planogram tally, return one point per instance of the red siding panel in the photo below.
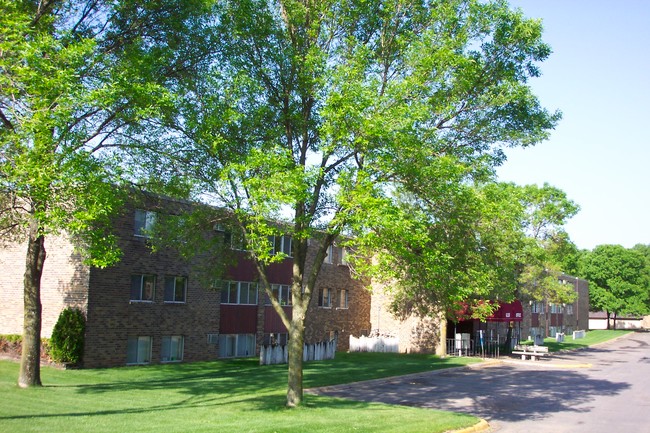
(238, 319)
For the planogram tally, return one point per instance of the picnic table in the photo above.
(531, 351)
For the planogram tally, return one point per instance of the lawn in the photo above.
(592, 337)
(222, 396)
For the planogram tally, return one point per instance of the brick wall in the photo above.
(415, 334)
(113, 317)
(64, 283)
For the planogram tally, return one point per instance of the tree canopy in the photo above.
(617, 282)
(73, 89)
(326, 115)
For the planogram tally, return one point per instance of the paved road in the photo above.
(602, 389)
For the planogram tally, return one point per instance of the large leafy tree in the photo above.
(315, 113)
(549, 249)
(69, 90)
(617, 281)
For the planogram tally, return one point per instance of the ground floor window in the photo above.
(138, 350)
(276, 338)
(172, 349)
(236, 345)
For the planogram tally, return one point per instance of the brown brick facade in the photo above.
(113, 317)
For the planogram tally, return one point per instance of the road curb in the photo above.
(481, 426)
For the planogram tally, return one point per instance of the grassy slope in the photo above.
(592, 337)
(223, 396)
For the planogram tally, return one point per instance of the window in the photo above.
(175, 288)
(282, 293)
(325, 298)
(172, 349)
(144, 222)
(236, 240)
(344, 256)
(329, 258)
(336, 255)
(236, 345)
(343, 298)
(569, 309)
(276, 339)
(239, 292)
(138, 350)
(281, 244)
(143, 287)
(537, 307)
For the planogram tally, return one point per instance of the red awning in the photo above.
(511, 312)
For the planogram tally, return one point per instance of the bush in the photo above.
(67, 341)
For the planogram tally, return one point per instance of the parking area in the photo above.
(603, 388)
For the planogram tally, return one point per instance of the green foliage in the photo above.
(331, 116)
(68, 335)
(617, 281)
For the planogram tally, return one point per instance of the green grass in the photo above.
(592, 337)
(222, 396)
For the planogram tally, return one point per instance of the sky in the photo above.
(598, 76)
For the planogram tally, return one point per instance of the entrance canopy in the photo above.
(510, 312)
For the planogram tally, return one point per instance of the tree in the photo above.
(616, 280)
(69, 89)
(546, 211)
(313, 113)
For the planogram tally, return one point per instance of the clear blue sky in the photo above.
(599, 77)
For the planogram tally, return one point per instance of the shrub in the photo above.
(67, 341)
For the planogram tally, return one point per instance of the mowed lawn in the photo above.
(593, 337)
(221, 396)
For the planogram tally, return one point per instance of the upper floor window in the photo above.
(342, 299)
(281, 244)
(143, 287)
(325, 298)
(239, 292)
(175, 289)
(329, 257)
(282, 293)
(144, 222)
(537, 307)
(336, 255)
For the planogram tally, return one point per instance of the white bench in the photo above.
(530, 351)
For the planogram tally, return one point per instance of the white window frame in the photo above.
(142, 345)
(172, 348)
(175, 279)
(281, 244)
(140, 287)
(230, 289)
(144, 223)
(283, 294)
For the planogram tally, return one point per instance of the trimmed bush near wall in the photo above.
(67, 341)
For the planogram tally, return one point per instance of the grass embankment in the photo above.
(592, 338)
(222, 396)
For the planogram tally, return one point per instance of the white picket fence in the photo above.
(311, 352)
(374, 344)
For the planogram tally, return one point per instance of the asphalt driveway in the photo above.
(600, 389)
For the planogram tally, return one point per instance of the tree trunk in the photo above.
(615, 315)
(30, 361)
(608, 314)
(296, 343)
